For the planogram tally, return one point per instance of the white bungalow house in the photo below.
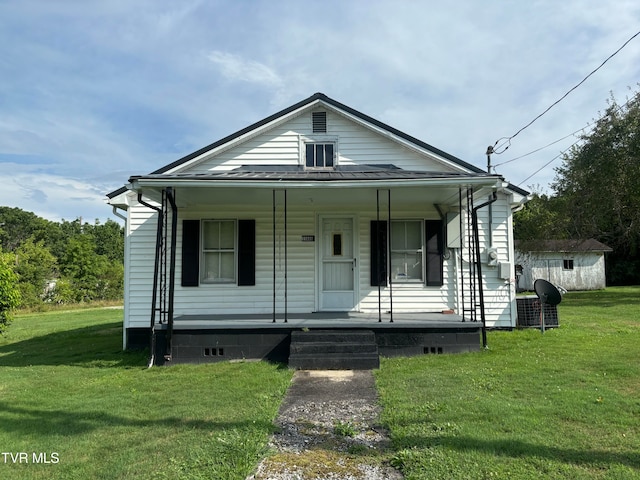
(571, 264)
(318, 216)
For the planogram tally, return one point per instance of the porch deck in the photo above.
(320, 320)
(212, 337)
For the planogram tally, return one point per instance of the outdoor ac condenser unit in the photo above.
(528, 308)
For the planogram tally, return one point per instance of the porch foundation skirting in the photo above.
(206, 339)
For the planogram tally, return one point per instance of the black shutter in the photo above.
(434, 253)
(190, 253)
(246, 252)
(378, 253)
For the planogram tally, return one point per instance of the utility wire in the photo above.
(507, 140)
(620, 108)
(550, 161)
(541, 148)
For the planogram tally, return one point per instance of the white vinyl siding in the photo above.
(357, 145)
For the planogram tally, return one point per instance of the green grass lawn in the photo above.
(68, 391)
(565, 404)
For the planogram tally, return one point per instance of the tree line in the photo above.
(44, 262)
(596, 193)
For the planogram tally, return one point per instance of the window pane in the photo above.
(227, 267)
(227, 239)
(414, 266)
(211, 264)
(310, 155)
(319, 155)
(414, 235)
(337, 244)
(406, 266)
(211, 235)
(399, 266)
(398, 236)
(328, 155)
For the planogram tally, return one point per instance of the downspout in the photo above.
(389, 256)
(476, 235)
(274, 255)
(119, 215)
(154, 293)
(286, 306)
(172, 267)
(378, 254)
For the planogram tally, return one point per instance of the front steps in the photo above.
(333, 350)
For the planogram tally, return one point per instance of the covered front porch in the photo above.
(369, 248)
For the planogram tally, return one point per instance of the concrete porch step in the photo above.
(334, 350)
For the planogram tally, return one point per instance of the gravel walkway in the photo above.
(328, 429)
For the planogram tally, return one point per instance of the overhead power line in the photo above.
(618, 107)
(507, 140)
(549, 162)
(542, 148)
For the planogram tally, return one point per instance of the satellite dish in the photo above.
(548, 294)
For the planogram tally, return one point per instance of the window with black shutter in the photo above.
(414, 257)
(218, 251)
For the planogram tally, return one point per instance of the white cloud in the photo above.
(234, 67)
(50, 196)
(95, 92)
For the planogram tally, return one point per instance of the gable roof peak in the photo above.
(307, 103)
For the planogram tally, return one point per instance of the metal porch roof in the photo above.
(345, 173)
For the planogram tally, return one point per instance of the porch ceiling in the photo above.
(316, 196)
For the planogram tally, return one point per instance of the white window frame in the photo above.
(394, 276)
(314, 140)
(203, 251)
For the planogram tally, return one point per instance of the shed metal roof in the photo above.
(562, 246)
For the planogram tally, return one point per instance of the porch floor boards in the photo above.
(323, 320)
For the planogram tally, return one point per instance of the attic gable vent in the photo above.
(319, 120)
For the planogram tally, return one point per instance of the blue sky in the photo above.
(92, 92)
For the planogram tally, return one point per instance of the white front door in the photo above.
(338, 270)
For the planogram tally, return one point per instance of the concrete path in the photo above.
(328, 428)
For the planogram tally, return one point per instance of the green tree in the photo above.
(539, 219)
(109, 240)
(599, 184)
(9, 293)
(35, 266)
(82, 267)
(18, 226)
